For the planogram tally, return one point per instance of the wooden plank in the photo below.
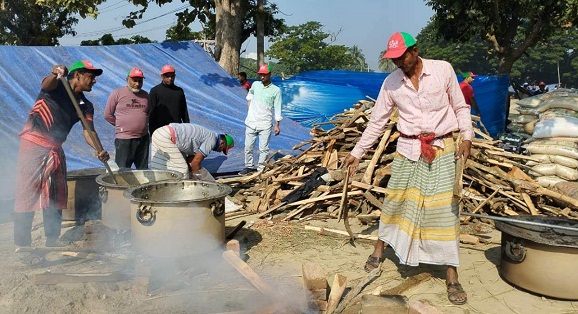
(328, 151)
(380, 148)
(337, 289)
(313, 276)
(340, 233)
(366, 186)
(530, 204)
(407, 284)
(245, 270)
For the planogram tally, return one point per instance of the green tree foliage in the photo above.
(25, 23)
(357, 58)
(511, 27)
(471, 55)
(108, 40)
(182, 32)
(539, 63)
(303, 48)
(229, 22)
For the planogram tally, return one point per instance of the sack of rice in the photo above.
(529, 127)
(556, 127)
(560, 160)
(530, 102)
(558, 112)
(560, 171)
(565, 102)
(528, 111)
(525, 118)
(549, 181)
(560, 148)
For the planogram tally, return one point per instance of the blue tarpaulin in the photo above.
(214, 98)
(313, 97)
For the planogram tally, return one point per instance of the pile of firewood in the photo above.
(494, 181)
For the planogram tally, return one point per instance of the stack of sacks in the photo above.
(528, 109)
(555, 139)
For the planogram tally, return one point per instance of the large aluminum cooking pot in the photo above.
(83, 201)
(177, 218)
(541, 259)
(115, 207)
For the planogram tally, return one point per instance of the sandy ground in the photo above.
(275, 251)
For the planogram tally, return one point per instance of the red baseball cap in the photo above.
(135, 72)
(167, 68)
(264, 69)
(398, 44)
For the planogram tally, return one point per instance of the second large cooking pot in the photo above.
(115, 207)
(177, 218)
(541, 259)
(83, 201)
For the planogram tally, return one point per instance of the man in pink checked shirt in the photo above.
(420, 215)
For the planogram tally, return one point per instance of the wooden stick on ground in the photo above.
(250, 275)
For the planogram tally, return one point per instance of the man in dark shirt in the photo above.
(167, 101)
(41, 170)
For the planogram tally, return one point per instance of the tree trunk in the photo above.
(229, 26)
(260, 33)
(506, 64)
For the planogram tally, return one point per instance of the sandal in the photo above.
(455, 290)
(372, 263)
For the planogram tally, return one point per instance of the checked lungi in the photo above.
(420, 215)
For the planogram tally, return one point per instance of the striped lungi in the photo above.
(420, 216)
(164, 152)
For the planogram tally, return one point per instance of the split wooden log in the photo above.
(246, 271)
(337, 289)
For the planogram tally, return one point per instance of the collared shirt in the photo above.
(438, 106)
(264, 100)
(193, 138)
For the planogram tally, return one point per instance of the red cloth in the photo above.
(247, 85)
(468, 92)
(41, 178)
(428, 153)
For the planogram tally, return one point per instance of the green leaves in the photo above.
(304, 48)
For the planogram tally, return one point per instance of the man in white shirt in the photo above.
(263, 98)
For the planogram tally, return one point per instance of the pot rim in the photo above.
(101, 182)
(86, 173)
(128, 192)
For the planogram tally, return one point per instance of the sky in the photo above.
(364, 23)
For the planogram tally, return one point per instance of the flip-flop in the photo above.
(372, 263)
(454, 289)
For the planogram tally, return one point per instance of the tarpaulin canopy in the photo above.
(214, 98)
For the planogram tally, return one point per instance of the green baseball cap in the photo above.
(229, 143)
(84, 64)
